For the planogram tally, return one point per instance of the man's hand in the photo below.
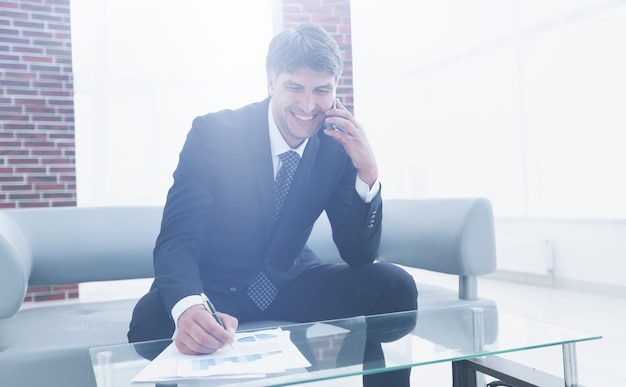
(354, 141)
(199, 333)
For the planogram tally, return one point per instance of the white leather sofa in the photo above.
(47, 344)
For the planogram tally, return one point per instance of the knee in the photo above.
(150, 319)
(400, 291)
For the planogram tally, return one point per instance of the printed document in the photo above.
(253, 355)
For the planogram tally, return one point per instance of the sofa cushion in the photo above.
(54, 339)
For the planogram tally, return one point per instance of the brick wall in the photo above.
(37, 158)
(37, 168)
(334, 16)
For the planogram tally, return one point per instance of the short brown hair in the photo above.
(307, 45)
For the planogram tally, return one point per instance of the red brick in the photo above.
(38, 204)
(49, 297)
(57, 161)
(14, 15)
(61, 170)
(40, 187)
(56, 153)
(5, 4)
(58, 195)
(38, 59)
(62, 36)
(63, 203)
(25, 196)
(40, 118)
(21, 92)
(65, 287)
(11, 179)
(28, 24)
(31, 169)
(38, 289)
(67, 178)
(48, 126)
(37, 34)
(34, 7)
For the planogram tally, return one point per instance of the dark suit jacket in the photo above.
(216, 233)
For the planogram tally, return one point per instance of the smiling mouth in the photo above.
(303, 117)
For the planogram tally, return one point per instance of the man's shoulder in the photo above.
(232, 125)
(243, 113)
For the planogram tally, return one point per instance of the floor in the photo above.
(599, 362)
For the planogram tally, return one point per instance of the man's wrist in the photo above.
(365, 192)
(181, 306)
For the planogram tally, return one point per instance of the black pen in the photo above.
(211, 309)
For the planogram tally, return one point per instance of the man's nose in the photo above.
(308, 103)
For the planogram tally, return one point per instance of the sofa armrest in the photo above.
(15, 266)
(454, 236)
(68, 245)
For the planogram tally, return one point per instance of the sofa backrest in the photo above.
(67, 245)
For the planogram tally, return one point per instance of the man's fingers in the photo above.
(199, 332)
(188, 345)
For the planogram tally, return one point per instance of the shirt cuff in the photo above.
(181, 306)
(364, 190)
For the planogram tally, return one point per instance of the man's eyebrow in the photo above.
(289, 82)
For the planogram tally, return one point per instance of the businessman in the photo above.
(249, 185)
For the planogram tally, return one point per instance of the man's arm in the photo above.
(354, 140)
(184, 224)
(356, 211)
(177, 250)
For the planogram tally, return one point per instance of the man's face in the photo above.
(299, 101)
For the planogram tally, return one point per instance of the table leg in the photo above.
(570, 367)
(509, 372)
(463, 374)
(104, 373)
(478, 333)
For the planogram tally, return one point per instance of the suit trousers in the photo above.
(324, 292)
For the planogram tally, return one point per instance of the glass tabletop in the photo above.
(337, 348)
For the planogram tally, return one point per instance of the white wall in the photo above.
(143, 70)
(588, 254)
(520, 101)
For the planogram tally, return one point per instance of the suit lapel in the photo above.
(258, 145)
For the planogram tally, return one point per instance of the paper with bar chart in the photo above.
(253, 354)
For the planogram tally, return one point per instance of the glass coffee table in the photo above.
(471, 339)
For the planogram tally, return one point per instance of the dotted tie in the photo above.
(289, 161)
(261, 290)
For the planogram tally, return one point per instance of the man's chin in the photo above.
(304, 133)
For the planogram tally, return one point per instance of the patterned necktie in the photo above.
(261, 290)
(289, 161)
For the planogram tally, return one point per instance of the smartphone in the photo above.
(333, 126)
